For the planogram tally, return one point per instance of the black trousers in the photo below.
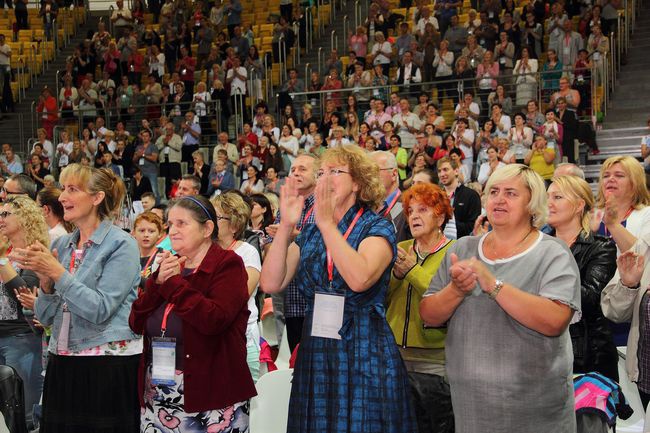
(170, 171)
(432, 403)
(186, 155)
(294, 330)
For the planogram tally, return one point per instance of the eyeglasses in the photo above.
(3, 190)
(222, 218)
(332, 172)
(5, 214)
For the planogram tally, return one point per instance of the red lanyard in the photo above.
(438, 245)
(307, 215)
(392, 203)
(163, 325)
(330, 261)
(144, 269)
(73, 259)
(232, 244)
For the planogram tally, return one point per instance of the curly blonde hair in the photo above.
(30, 218)
(363, 170)
(235, 208)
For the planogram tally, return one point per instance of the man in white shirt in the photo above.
(408, 73)
(121, 19)
(407, 124)
(425, 18)
(5, 61)
(236, 77)
(231, 149)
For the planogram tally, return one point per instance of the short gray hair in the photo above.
(388, 157)
(570, 169)
(537, 206)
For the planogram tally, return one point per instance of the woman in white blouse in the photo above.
(490, 166)
(381, 52)
(525, 77)
(520, 136)
(252, 185)
(156, 61)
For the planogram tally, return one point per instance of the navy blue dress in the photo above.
(357, 384)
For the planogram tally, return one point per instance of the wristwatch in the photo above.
(498, 285)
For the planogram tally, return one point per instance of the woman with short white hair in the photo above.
(507, 298)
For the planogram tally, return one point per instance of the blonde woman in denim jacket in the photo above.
(88, 283)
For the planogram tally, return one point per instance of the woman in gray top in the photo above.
(507, 298)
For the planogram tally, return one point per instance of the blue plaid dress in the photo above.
(357, 384)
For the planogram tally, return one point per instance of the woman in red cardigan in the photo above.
(49, 111)
(193, 314)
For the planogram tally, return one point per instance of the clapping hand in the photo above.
(610, 215)
(463, 277)
(39, 259)
(170, 265)
(291, 203)
(481, 226)
(630, 268)
(26, 297)
(325, 203)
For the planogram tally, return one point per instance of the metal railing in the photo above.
(539, 86)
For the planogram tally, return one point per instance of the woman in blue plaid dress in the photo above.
(352, 380)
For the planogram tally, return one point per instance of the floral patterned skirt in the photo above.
(164, 412)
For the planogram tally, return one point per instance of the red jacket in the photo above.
(212, 302)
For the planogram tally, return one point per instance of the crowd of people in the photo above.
(386, 238)
(385, 294)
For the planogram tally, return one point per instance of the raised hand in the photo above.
(324, 203)
(291, 203)
(404, 262)
(611, 211)
(170, 265)
(630, 268)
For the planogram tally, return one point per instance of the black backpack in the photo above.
(12, 399)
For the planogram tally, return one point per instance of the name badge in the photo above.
(328, 316)
(567, 49)
(502, 60)
(166, 151)
(596, 56)
(141, 162)
(64, 333)
(164, 361)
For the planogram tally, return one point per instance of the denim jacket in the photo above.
(100, 293)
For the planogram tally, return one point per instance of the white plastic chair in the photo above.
(635, 422)
(270, 409)
(268, 330)
(284, 353)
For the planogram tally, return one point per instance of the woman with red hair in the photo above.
(427, 209)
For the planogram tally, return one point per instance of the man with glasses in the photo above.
(422, 146)
(289, 306)
(392, 209)
(18, 184)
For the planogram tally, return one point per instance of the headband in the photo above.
(195, 200)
